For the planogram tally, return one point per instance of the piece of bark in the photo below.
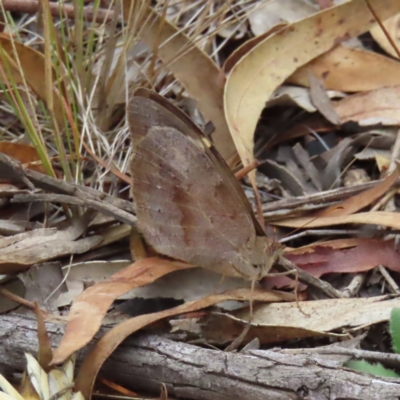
(145, 362)
(13, 170)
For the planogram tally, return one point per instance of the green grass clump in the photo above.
(379, 369)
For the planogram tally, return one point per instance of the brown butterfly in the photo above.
(189, 205)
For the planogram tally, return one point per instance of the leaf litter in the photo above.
(310, 145)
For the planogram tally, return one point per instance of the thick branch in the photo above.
(191, 372)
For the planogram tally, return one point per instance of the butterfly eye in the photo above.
(258, 271)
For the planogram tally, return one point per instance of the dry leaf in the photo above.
(298, 96)
(325, 4)
(340, 256)
(380, 106)
(33, 70)
(21, 251)
(24, 153)
(320, 99)
(42, 283)
(327, 315)
(45, 353)
(343, 69)
(271, 13)
(382, 161)
(323, 259)
(89, 308)
(254, 78)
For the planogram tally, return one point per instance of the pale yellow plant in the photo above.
(58, 383)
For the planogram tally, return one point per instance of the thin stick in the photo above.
(378, 20)
(320, 198)
(248, 168)
(17, 299)
(307, 278)
(392, 284)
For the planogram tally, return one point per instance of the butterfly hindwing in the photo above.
(184, 208)
(189, 204)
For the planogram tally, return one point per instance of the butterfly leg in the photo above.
(296, 285)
